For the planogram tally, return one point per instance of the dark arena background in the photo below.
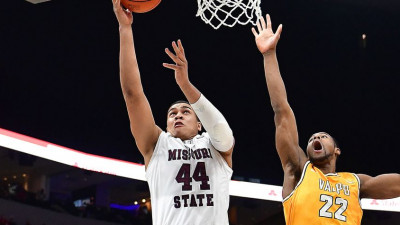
(59, 82)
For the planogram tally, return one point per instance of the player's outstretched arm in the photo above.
(143, 127)
(287, 144)
(210, 117)
(384, 186)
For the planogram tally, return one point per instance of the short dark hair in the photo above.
(179, 101)
(186, 102)
(335, 141)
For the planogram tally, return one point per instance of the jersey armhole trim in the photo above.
(359, 187)
(300, 181)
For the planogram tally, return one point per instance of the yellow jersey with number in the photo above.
(322, 199)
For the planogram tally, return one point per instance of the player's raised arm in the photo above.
(384, 186)
(210, 117)
(143, 127)
(292, 156)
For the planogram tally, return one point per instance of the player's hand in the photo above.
(124, 17)
(266, 40)
(181, 64)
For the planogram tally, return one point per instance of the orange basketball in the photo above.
(140, 6)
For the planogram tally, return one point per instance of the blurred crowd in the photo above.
(16, 192)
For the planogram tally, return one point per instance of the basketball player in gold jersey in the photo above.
(313, 193)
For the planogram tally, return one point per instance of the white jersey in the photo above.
(189, 182)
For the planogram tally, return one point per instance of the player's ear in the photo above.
(199, 126)
(337, 151)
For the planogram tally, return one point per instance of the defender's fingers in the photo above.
(254, 31)
(259, 26)
(269, 23)
(279, 30)
(264, 26)
(170, 66)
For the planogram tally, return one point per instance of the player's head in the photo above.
(322, 148)
(182, 121)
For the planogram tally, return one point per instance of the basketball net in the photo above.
(228, 12)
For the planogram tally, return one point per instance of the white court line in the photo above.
(136, 171)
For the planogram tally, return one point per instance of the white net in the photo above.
(228, 12)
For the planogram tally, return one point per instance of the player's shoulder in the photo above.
(363, 178)
(203, 135)
(204, 138)
(163, 139)
(347, 174)
(350, 178)
(164, 135)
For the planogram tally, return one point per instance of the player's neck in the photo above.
(326, 168)
(189, 137)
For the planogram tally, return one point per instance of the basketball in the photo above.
(140, 6)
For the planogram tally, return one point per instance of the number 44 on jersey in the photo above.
(199, 175)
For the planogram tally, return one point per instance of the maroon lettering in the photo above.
(192, 154)
(200, 175)
(179, 154)
(177, 201)
(185, 154)
(185, 198)
(210, 152)
(205, 153)
(183, 176)
(200, 197)
(197, 153)
(209, 199)
(193, 201)
(171, 155)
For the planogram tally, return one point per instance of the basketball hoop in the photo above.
(228, 12)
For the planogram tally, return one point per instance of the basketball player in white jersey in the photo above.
(188, 173)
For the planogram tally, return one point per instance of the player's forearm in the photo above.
(276, 87)
(214, 123)
(191, 93)
(129, 69)
(211, 118)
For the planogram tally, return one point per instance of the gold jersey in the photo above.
(322, 199)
